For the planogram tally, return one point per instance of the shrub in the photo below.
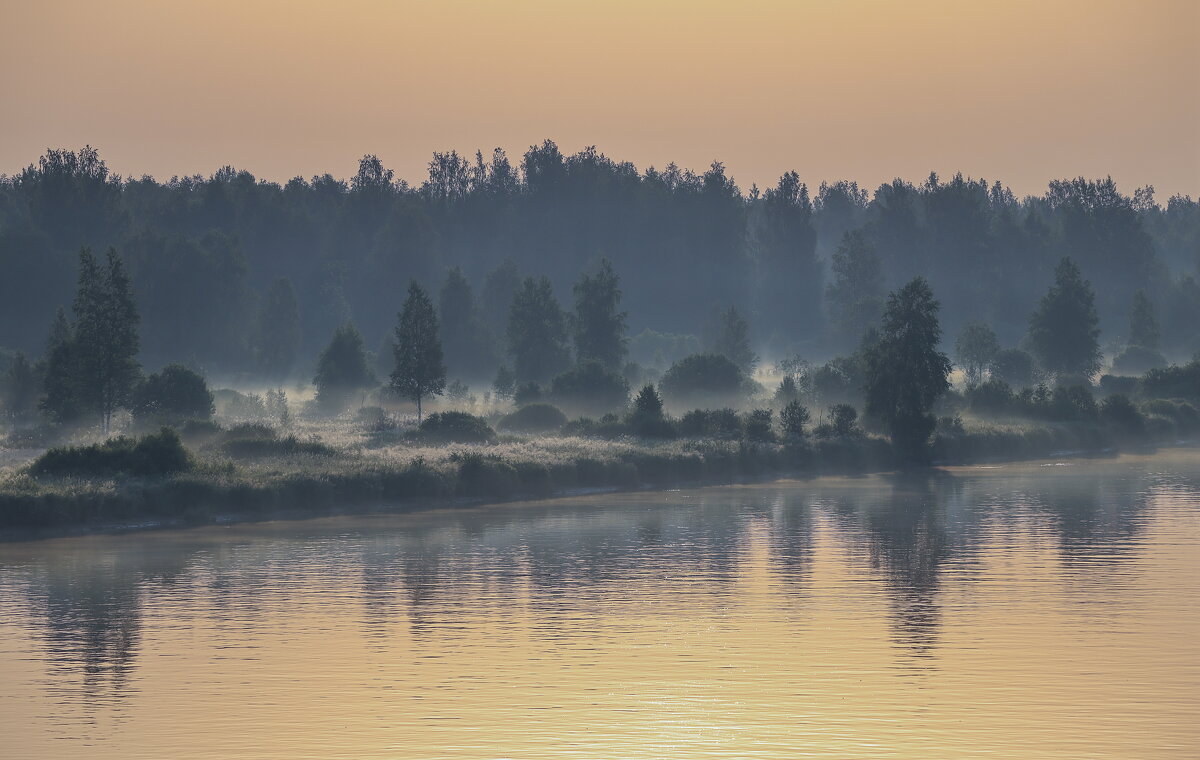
(1013, 366)
(706, 378)
(793, 418)
(647, 418)
(456, 427)
(242, 406)
(172, 394)
(1184, 416)
(1110, 384)
(1072, 404)
(1137, 360)
(991, 397)
(711, 423)
(529, 393)
(253, 440)
(157, 454)
(609, 426)
(843, 417)
(534, 418)
(757, 426)
(1173, 382)
(590, 387)
(1119, 412)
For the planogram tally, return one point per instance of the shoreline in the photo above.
(187, 502)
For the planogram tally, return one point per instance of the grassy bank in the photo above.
(251, 472)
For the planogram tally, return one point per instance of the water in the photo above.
(1021, 611)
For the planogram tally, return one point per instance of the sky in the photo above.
(1018, 91)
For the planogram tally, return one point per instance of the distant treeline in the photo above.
(243, 278)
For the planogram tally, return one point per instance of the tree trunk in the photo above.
(418, 409)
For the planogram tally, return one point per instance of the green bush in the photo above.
(705, 378)
(1137, 360)
(1119, 412)
(173, 394)
(589, 387)
(756, 426)
(455, 427)
(157, 454)
(991, 397)
(253, 440)
(534, 418)
(1173, 382)
(722, 424)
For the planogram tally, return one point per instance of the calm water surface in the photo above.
(1031, 611)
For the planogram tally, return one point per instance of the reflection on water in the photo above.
(1024, 611)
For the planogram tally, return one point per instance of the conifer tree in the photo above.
(855, 296)
(728, 335)
(420, 370)
(277, 334)
(60, 393)
(599, 329)
(1063, 329)
(906, 373)
(342, 370)
(537, 333)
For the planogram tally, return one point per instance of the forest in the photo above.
(347, 338)
(246, 280)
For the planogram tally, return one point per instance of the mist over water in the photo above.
(1029, 610)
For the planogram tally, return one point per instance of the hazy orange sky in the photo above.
(1017, 91)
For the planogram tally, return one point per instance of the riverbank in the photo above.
(295, 478)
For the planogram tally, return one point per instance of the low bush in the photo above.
(1173, 382)
(756, 426)
(721, 424)
(455, 427)
(254, 440)
(153, 455)
(534, 418)
(173, 394)
(1137, 360)
(609, 426)
(1120, 413)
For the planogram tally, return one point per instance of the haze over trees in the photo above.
(1064, 329)
(205, 253)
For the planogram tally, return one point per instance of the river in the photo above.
(1038, 610)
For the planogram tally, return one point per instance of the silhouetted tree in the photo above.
(277, 332)
(464, 337)
(728, 335)
(499, 288)
(1063, 330)
(906, 373)
(1013, 366)
(789, 272)
(505, 383)
(709, 379)
(420, 370)
(105, 336)
(19, 388)
(591, 388)
(537, 333)
(1143, 323)
(855, 296)
(975, 349)
(342, 370)
(172, 394)
(647, 418)
(599, 329)
(61, 399)
(793, 419)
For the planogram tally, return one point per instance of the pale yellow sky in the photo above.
(1020, 91)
